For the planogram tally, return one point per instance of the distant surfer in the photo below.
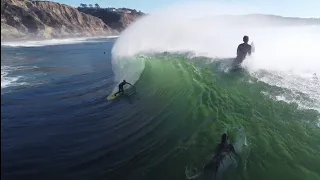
(242, 51)
(223, 149)
(124, 82)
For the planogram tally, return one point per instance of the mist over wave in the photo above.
(196, 28)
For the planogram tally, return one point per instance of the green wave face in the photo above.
(197, 101)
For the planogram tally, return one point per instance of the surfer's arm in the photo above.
(129, 84)
(249, 50)
(231, 149)
(238, 50)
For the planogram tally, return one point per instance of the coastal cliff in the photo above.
(25, 19)
(117, 19)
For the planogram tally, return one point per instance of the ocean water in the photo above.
(56, 122)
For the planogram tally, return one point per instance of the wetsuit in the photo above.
(121, 87)
(223, 149)
(242, 51)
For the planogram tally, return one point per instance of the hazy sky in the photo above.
(292, 8)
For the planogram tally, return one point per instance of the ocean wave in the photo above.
(194, 89)
(182, 100)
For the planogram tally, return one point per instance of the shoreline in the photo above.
(9, 43)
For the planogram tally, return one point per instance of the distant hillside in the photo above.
(264, 20)
(115, 18)
(284, 21)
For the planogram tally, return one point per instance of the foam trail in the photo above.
(6, 80)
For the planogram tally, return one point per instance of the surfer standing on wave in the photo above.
(124, 82)
(242, 50)
(223, 149)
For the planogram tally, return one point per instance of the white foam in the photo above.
(7, 80)
(300, 88)
(53, 41)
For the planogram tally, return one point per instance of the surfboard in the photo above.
(128, 91)
(112, 96)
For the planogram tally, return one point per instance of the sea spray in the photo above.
(208, 29)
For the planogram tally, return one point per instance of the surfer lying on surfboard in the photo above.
(223, 149)
(124, 82)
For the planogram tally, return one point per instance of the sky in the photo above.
(289, 8)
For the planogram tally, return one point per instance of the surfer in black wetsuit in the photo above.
(223, 149)
(242, 50)
(124, 82)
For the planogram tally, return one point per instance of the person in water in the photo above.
(124, 82)
(223, 149)
(242, 50)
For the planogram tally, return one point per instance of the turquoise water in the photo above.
(200, 102)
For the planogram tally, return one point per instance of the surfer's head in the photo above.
(245, 39)
(224, 138)
(124, 81)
